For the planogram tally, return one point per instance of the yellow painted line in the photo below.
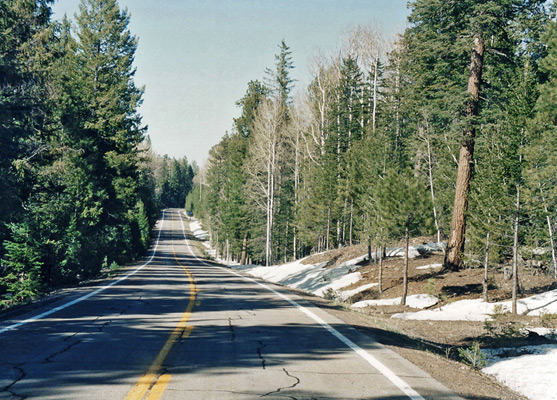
(157, 390)
(150, 381)
(187, 331)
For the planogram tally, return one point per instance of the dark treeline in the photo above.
(80, 188)
(370, 150)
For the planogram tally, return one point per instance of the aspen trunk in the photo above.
(550, 231)
(380, 278)
(405, 276)
(486, 263)
(351, 231)
(374, 110)
(515, 253)
(430, 168)
(328, 228)
(455, 245)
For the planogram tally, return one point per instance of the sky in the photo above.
(196, 57)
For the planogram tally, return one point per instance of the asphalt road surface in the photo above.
(178, 327)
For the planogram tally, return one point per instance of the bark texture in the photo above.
(455, 245)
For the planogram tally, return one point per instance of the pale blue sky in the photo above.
(195, 57)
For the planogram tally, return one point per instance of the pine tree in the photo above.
(541, 153)
(444, 40)
(403, 205)
(21, 105)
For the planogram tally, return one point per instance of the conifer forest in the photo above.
(447, 130)
(80, 188)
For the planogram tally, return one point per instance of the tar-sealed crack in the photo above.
(104, 324)
(285, 387)
(231, 327)
(70, 337)
(259, 353)
(19, 377)
(50, 357)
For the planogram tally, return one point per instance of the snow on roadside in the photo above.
(430, 266)
(197, 230)
(541, 363)
(532, 372)
(478, 310)
(313, 278)
(414, 301)
(346, 294)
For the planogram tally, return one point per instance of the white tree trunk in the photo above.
(515, 253)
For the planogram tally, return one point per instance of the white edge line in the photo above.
(374, 362)
(93, 293)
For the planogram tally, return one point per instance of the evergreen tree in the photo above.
(403, 205)
(541, 152)
(22, 23)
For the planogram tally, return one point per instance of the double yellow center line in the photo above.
(153, 383)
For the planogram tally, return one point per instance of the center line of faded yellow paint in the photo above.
(151, 381)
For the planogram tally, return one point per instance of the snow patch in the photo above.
(478, 310)
(346, 294)
(430, 266)
(531, 370)
(197, 230)
(414, 301)
(313, 278)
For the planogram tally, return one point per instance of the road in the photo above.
(179, 327)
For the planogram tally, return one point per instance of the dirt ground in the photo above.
(433, 345)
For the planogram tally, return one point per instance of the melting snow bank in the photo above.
(478, 310)
(414, 301)
(530, 371)
(197, 230)
(313, 278)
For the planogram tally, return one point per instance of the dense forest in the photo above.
(80, 187)
(449, 131)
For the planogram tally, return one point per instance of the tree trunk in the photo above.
(430, 169)
(515, 253)
(455, 245)
(328, 228)
(380, 278)
(550, 231)
(351, 231)
(374, 110)
(244, 249)
(405, 276)
(486, 263)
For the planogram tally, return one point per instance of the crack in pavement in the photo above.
(22, 375)
(48, 359)
(103, 325)
(259, 350)
(231, 327)
(285, 387)
(71, 336)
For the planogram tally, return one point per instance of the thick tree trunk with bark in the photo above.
(455, 245)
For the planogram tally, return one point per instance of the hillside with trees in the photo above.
(448, 130)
